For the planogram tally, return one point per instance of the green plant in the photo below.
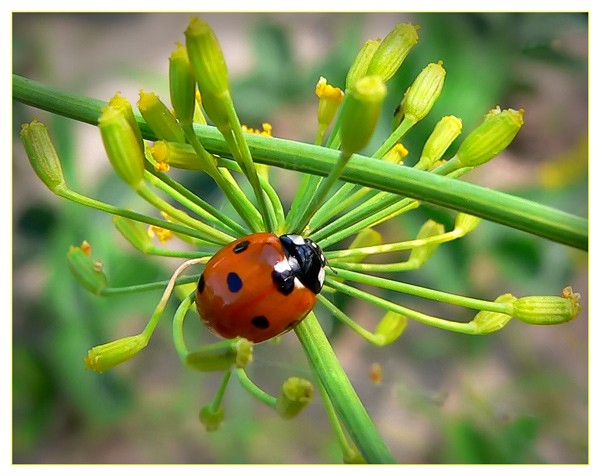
(390, 179)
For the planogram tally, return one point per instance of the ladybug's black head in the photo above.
(306, 260)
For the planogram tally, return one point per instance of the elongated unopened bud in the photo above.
(104, 357)
(120, 140)
(88, 272)
(43, 155)
(547, 310)
(444, 133)
(490, 138)
(159, 118)
(206, 58)
(211, 418)
(221, 356)
(359, 67)
(424, 92)
(489, 321)
(182, 85)
(421, 254)
(393, 50)
(361, 112)
(390, 328)
(294, 395)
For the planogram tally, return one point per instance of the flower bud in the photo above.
(295, 394)
(177, 155)
(396, 154)
(105, 356)
(444, 133)
(124, 107)
(424, 92)
(547, 310)
(221, 356)
(487, 322)
(206, 58)
(393, 50)
(120, 140)
(330, 99)
(182, 85)
(361, 63)
(361, 112)
(134, 232)
(466, 223)
(490, 138)
(42, 155)
(390, 328)
(421, 254)
(159, 118)
(212, 419)
(87, 271)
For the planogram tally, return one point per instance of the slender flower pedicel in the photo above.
(255, 272)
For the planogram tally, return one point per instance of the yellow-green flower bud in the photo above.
(487, 322)
(212, 419)
(121, 144)
(159, 118)
(294, 395)
(206, 58)
(106, 356)
(177, 155)
(134, 232)
(124, 107)
(547, 310)
(221, 356)
(88, 272)
(490, 138)
(42, 155)
(396, 154)
(390, 328)
(465, 223)
(182, 85)
(361, 63)
(421, 254)
(393, 50)
(360, 113)
(424, 92)
(444, 133)
(330, 99)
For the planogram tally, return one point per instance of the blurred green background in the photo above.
(517, 396)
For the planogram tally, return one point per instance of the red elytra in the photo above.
(248, 288)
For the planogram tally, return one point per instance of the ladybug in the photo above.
(260, 286)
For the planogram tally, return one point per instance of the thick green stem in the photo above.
(496, 206)
(346, 402)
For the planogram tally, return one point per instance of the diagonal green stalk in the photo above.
(346, 402)
(489, 204)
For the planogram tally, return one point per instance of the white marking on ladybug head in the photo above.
(297, 240)
(321, 277)
(282, 267)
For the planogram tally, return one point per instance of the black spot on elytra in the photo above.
(234, 283)
(201, 284)
(241, 246)
(261, 322)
